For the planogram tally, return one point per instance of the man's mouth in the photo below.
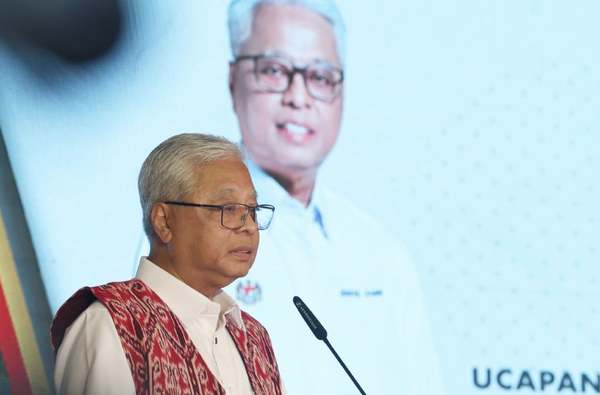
(242, 253)
(294, 132)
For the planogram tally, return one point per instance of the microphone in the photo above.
(320, 333)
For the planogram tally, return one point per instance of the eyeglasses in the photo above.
(275, 74)
(234, 215)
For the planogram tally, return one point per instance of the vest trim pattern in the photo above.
(159, 351)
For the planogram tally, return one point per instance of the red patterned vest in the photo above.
(161, 356)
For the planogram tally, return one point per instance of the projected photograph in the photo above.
(431, 168)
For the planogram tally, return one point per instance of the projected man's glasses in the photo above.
(234, 216)
(275, 74)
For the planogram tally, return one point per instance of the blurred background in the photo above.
(477, 129)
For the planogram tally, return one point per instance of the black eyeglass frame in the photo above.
(250, 210)
(294, 70)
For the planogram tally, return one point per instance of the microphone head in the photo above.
(312, 321)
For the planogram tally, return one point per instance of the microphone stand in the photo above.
(320, 333)
(335, 354)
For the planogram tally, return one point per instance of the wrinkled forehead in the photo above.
(293, 31)
(233, 192)
(222, 180)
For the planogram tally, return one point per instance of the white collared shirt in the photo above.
(91, 360)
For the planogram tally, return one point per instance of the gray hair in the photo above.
(170, 171)
(241, 13)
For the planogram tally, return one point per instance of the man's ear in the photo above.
(160, 220)
(231, 82)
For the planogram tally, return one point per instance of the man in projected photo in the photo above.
(287, 86)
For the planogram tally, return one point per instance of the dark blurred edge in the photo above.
(26, 262)
(4, 384)
(77, 31)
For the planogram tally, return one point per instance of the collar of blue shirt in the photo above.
(271, 192)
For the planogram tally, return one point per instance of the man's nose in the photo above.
(249, 224)
(297, 95)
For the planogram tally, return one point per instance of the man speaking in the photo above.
(172, 330)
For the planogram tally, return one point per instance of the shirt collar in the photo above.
(187, 303)
(272, 192)
(269, 189)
